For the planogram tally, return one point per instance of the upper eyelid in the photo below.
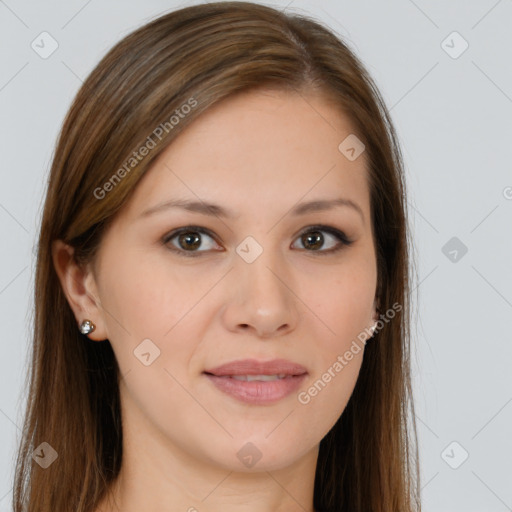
(174, 232)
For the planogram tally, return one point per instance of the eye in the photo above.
(312, 239)
(188, 239)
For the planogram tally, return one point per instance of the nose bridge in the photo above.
(258, 264)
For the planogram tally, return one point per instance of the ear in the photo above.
(79, 286)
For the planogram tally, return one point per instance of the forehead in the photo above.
(258, 150)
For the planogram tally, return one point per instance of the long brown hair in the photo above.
(202, 54)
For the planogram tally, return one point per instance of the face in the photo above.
(258, 277)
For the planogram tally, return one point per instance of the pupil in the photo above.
(315, 239)
(194, 238)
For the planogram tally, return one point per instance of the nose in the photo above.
(260, 297)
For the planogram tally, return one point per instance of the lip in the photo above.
(257, 392)
(255, 367)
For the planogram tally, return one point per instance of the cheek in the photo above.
(153, 299)
(145, 298)
(342, 300)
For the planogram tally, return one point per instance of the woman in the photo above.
(222, 314)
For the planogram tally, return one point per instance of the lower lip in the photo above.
(258, 391)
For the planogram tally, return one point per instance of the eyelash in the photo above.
(342, 238)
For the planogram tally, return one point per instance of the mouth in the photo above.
(257, 382)
(264, 378)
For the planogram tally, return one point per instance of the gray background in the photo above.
(454, 120)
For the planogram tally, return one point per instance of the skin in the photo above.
(258, 154)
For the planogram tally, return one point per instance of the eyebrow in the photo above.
(219, 211)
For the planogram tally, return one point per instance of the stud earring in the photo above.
(87, 327)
